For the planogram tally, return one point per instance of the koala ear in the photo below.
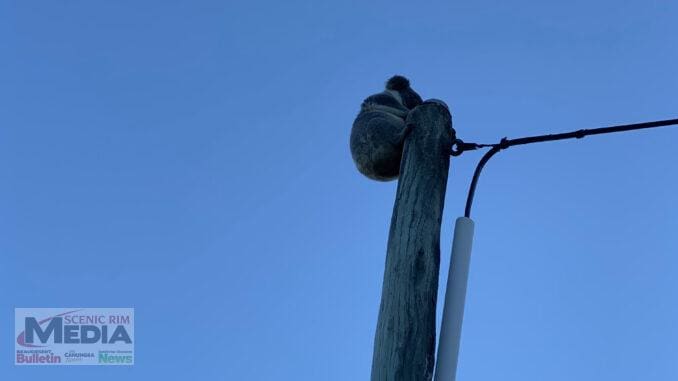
(401, 85)
(397, 83)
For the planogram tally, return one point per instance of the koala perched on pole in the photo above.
(379, 130)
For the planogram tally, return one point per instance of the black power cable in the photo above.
(461, 147)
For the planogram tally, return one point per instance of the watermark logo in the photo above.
(74, 336)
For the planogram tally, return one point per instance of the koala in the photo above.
(379, 130)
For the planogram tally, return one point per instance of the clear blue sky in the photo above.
(190, 159)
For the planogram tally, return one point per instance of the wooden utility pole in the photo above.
(406, 331)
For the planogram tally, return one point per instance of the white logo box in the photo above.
(74, 336)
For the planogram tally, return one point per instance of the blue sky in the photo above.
(190, 159)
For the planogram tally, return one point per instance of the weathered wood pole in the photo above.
(404, 344)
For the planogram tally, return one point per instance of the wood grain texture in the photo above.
(406, 330)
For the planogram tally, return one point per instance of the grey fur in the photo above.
(379, 130)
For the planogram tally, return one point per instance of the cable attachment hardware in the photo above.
(459, 146)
